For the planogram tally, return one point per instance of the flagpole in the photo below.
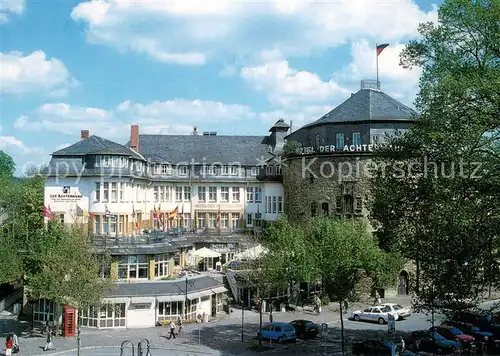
(376, 60)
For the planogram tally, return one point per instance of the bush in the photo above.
(325, 300)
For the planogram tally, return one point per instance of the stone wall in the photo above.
(325, 180)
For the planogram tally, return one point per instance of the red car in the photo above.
(454, 333)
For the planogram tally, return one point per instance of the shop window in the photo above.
(170, 310)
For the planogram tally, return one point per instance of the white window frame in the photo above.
(178, 194)
(212, 194)
(235, 194)
(202, 194)
(250, 195)
(224, 194)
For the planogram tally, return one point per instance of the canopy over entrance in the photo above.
(206, 253)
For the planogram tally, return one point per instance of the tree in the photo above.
(7, 167)
(344, 252)
(436, 197)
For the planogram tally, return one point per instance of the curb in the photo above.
(153, 347)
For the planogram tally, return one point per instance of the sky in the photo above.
(234, 67)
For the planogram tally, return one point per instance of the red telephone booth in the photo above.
(69, 319)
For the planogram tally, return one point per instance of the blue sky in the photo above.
(233, 67)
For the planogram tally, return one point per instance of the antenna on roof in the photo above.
(195, 130)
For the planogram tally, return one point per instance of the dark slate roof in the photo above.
(280, 124)
(164, 288)
(96, 145)
(246, 150)
(367, 105)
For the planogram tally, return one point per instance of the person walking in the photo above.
(50, 344)
(15, 346)
(172, 330)
(179, 322)
(9, 343)
(377, 300)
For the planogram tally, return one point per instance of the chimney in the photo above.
(291, 126)
(195, 130)
(134, 137)
(84, 134)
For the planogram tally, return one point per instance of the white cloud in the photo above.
(11, 7)
(173, 116)
(285, 86)
(33, 73)
(192, 31)
(10, 143)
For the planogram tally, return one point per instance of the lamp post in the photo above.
(188, 283)
(242, 319)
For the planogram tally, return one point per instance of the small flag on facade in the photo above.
(47, 213)
(381, 47)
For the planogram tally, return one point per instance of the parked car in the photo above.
(379, 313)
(486, 338)
(400, 310)
(432, 342)
(277, 331)
(305, 329)
(483, 321)
(454, 333)
(374, 348)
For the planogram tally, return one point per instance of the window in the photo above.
(161, 265)
(249, 219)
(202, 193)
(235, 221)
(258, 194)
(44, 310)
(187, 193)
(233, 170)
(275, 205)
(178, 193)
(340, 141)
(212, 194)
(122, 192)
(167, 194)
(212, 217)
(219, 303)
(325, 210)
(359, 205)
(224, 193)
(170, 310)
(269, 204)
(348, 204)
(210, 170)
(224, 218)
(225, 170)
(314, 209)
(97, 224)
(182, 170)
(131, 267)
(155, 194)
(161, 194)
(166, 169)
(356, 138)
(280, 204)
(201, 223)
(374, 139)
(253, 171)
(112, 221)
(112, 315)
(105, 192)
(249, 194)
(121, 224)
(278, 170)
(89, 317)
(97, 196)
(236, 194)
(270, 170)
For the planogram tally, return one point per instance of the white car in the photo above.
(378, 313)
(400, 310)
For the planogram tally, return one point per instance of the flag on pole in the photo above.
(173, 214)
(381, 47)
(47, 213)
(218, 218)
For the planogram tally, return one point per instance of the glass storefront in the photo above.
(107, 316)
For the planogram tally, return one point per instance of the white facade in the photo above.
(121, 206)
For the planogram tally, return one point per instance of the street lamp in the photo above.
(242, 319)
(188, 283)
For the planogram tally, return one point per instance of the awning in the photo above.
(219, 290)
(203, 293)
(142, 300)
(111, 300)
(192, 296)
(171, 298)
(206, 253)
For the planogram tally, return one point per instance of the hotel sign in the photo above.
(66, 196)
(215, 207)
(331, 149)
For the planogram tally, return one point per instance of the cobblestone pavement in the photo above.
(219, 337)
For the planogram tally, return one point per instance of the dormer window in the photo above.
(269, 170)
(111, 161)
(182, 170)
(166, 169)
(253, 171)
(233, 170)
(225, 170)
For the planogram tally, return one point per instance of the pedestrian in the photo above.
(377, 300)
(401, 345)
(172, 330)
(15, 346)
(179, 322)
(49, 345)
(9, 343)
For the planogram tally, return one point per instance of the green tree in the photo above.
(7, 168)
(436, 197)
(344, 253)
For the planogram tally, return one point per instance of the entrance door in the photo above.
(403, 283)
